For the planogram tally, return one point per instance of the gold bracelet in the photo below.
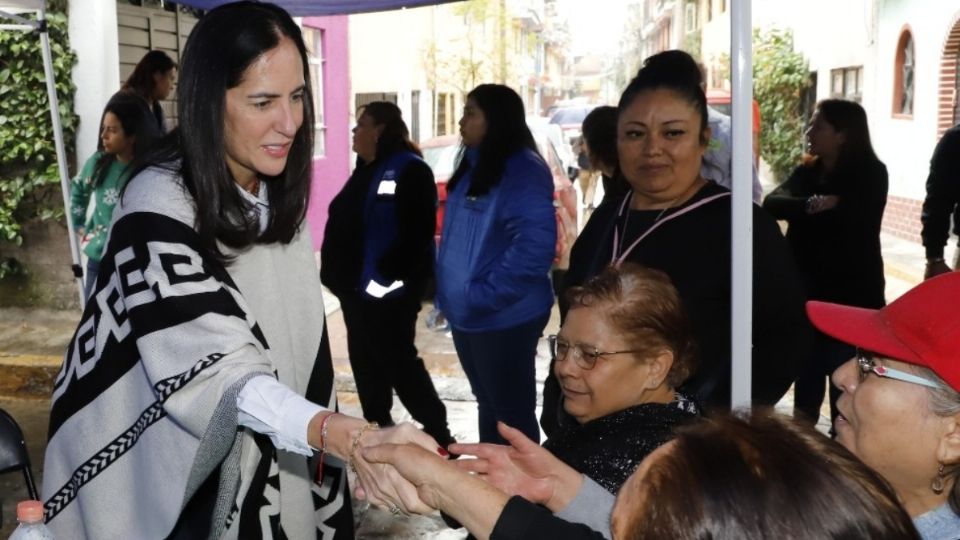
(356, 443)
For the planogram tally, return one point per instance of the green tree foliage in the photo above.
(780, 76)
(29, 177)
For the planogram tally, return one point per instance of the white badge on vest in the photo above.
(387, 187)
(377, 290)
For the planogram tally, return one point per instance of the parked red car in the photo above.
(441, 154)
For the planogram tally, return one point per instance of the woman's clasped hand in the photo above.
(379, 483)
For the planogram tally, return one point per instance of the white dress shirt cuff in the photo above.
(267, 406)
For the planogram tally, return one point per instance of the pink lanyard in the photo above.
(616, 259)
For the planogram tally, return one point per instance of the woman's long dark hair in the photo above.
(507, 133)
(133, 116)
(142, 81)
(220, 48)
(395, 136)
(849, 118)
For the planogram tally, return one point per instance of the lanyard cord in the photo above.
(619, 254)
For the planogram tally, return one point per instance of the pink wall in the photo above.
(330, 172)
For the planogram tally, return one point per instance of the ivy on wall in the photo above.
(29, 177)
(780, 76)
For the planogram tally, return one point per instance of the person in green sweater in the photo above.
(123, 135)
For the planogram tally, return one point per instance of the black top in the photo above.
(943, 194)
(524, 520)
(609, 449)
(409, 259)
(837, 250)
(694, 250)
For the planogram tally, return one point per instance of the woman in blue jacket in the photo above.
(499, 239)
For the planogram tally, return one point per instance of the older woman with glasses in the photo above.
(624, 348)
(899, 410)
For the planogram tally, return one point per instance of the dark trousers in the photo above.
(93, 269)
(380, 341)
(826, 356)
(500, 366)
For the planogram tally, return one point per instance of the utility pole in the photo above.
(503, 42)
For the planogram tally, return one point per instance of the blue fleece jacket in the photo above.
(493, 266)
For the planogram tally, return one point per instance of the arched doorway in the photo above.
(948, 113)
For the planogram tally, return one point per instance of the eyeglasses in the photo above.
(868, 365)
(585, 356)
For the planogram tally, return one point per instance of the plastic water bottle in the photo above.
(30, 516)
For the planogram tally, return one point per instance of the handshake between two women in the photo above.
(412, 478)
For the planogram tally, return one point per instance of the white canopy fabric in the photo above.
(305, 8)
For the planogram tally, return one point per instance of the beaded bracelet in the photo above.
(356, 443)
(323, 445)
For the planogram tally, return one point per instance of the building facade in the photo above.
(897, 58)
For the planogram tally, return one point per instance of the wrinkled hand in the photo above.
(380, 483)
(424, 469)
(524, 468)
(936, 268)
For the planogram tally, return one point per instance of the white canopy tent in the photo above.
(742, 90)
(13, 10)
(741, 54)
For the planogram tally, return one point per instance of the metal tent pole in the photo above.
(61, 152)
(741, 293)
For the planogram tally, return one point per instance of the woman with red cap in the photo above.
(899, 410)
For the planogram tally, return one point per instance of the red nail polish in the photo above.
(442, 452)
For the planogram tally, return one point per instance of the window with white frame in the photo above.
(847, 83)
(315, 56)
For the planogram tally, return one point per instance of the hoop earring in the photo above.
(937, 484)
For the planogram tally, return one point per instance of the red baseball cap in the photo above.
(922, 327)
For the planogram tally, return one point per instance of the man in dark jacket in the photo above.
(943, 196)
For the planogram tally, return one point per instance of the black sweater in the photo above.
(694, 250)
(523, 520)
(410, 258)
(837, 250)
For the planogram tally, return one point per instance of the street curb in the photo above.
(899, 272)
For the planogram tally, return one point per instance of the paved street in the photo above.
(31, 342)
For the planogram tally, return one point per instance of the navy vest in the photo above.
(380, 225)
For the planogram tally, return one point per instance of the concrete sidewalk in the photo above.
(32, 342)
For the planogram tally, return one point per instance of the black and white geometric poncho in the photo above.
(144, 440)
